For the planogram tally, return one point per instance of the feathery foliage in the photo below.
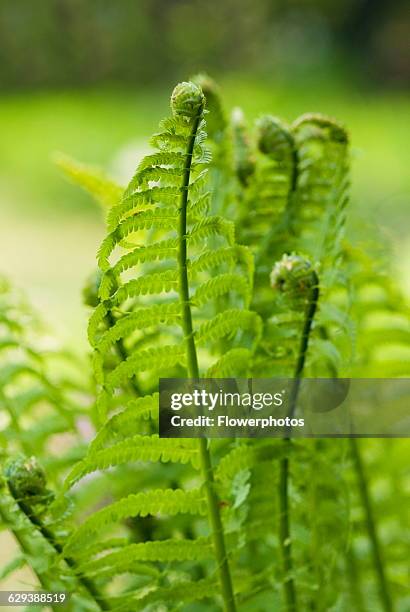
(174, 286)
(225, 256)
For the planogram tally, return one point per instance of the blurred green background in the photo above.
(92, 78)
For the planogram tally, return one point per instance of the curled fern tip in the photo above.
(272, 135)
(294, 275)
(26, 478)
(336, 131)
(186, 99)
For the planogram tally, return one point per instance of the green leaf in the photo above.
(221, 285)
(166, 249)
(228, 322)
(245, 456)
(105, 191)
(158, 217)
(162, 551)
(158, 358)
(211, 226)
(127, 422)
(166, 314)
(157, 502)
(136, 448)
(139, 200)
(235, 362)
(158, 282)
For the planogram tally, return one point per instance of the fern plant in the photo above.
(40, 402)
(185, 259)
(303, 180)
(92, 179)
(124, 520)
(43, 410)
(314, 221)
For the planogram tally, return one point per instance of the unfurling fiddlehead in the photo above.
(192, 360)
(295, 277)
(185, 261)
(270, 188)
(172, 299)
(264, 224)
(26, 481)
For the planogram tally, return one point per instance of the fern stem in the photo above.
(304, 343)
(217, 528)
(193, 372)
(47, 534)
(289, 589)
(384, 593)
(192, 359)
(25, 545)
(122, 354)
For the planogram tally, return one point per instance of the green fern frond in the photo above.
(322, 183)
(128, 421)
(157, 282)
(105, 191)
(245, 457)
(221, 285)
(229, 256)
(165, 314)
(227, 323)
(162, 551)
(209, 227)
(263, 223)
(150, 598)
(160, 501)
(140, 200)
(151, 358)
(135, 448)
(37, 403)
(158, 217)
(163, 263)
(234, 363)
(164, 249)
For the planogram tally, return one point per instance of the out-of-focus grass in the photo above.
(49, 230)
(89, 125)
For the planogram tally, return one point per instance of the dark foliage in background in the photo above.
(56, 43)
